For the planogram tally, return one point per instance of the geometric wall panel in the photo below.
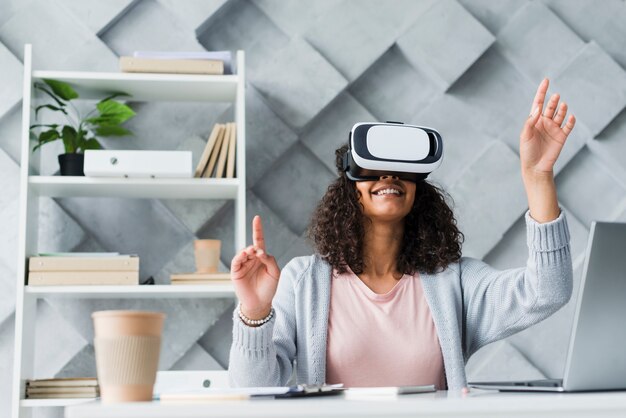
(61, 45)
(149, 25)
(297, 64)
(392, 89)
(330, 129)
(595, 85)
(444, 41)
(524, 41)
(365, 35)
(493, 14)
(11, 82)
(602, 22)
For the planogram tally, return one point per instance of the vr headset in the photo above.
(391, 149)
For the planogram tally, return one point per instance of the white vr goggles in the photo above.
(391, 149)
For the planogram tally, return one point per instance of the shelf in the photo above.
(132, 292)
(33, 403)
(192, 188)
(149, 87)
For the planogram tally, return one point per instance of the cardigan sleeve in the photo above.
(499, 303)
(264, 355)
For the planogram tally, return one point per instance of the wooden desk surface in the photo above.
(441, 404)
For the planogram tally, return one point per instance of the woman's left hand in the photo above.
(544, 134)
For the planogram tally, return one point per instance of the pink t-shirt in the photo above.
(381, 339)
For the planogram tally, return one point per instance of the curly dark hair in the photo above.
(431, 238)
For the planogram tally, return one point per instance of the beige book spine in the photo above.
(230, 166)
(63, 381)
(221, 161)
(75, 389)
(175, 66)
(61, 395)
(79, 278)
(83, 264)
(215, 152)
(204, 159)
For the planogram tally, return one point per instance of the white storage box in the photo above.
(138, 164)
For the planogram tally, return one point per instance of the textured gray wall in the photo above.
(469, 68)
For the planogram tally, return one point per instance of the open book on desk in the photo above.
(279, 392)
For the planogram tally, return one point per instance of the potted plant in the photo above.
(80, 133)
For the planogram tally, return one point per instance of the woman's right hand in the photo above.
(255, 275)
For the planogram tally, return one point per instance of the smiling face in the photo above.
(388, 199)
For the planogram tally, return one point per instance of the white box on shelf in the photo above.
(138, 164)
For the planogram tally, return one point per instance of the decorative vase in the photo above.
(72, 164)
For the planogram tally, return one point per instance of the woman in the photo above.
(388, 300)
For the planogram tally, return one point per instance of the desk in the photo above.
(441, 404)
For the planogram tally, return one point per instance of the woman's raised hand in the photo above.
(255, 275)
(544, 133)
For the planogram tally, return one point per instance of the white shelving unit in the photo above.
(142, 87)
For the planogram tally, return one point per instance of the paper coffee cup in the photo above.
(207, 253)
(127, 346)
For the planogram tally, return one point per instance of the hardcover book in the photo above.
(113, 263)
(204, 159)
(81, 278)
(174, 66)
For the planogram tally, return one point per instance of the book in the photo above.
(221, 160)
(62, 395)
(63, 381)
(230, 165)
(204, 159)
(200, 276)
(175, 66)
(80, 278)
(112, 263)
(216, 152)
(62, 389)
(224, 56)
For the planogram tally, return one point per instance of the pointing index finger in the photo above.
(540, 96)
(257, 233)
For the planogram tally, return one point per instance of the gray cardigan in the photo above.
(472, 304)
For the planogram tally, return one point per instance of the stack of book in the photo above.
(200, 278)
(75, 387)
(218, 158)
(77, 269)
(204, 62)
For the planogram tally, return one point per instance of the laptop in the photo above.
(596, 357)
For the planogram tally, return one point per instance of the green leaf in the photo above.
(114, 95)
(43, 88)
(48, 136)
(45, 137)
(61, 89)
(69, 139)
(51, 107)
(91, 143)
(54, 125)
(116, 112)
(112, 130)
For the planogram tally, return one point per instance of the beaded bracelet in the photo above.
(254, 322)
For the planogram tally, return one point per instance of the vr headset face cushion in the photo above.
(390, 149)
